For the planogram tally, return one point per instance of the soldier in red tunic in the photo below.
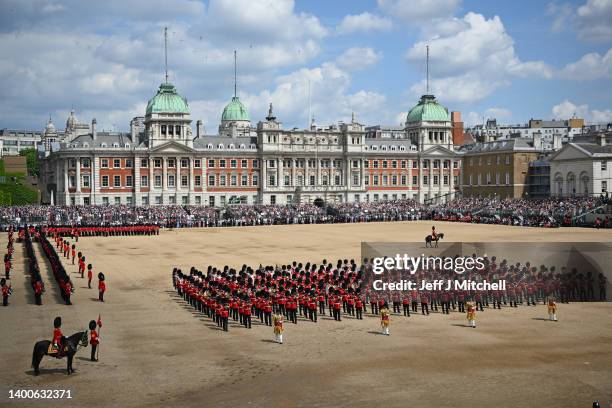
(6, 291)
(68, 289)
(7, 266)
(101, 286)
(73, 253)
(94, 339)
(406, 305)
(359, 307)
(424, 303)
(38, 289)
(89, 274)
(56, 343)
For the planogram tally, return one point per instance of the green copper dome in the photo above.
(428, 110)
(234, 111)
(167, 100)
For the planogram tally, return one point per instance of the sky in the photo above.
(509, 60)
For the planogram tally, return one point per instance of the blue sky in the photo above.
(510, 60)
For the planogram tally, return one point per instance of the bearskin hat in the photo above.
(101, 276)
(57, 322)
(92, 325)
(2, 281)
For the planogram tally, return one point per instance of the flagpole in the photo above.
(99, 331)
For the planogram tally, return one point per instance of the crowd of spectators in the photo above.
(548, 212)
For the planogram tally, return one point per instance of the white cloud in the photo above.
(501, 114)
(594, 19)
(331, 98)
(531, 69)
(418, 11)
(358, 58)
(112, 61)
(591, 66)
(52, 8)
(561, 14)
(263, 20)
(472, 118)
(472, 60)
(400, 119)
(567, 109)
(459, 89)
(364, 22)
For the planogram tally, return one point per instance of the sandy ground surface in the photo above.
(156, 351)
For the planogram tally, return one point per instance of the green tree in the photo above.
(32, 161)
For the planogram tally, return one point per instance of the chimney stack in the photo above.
(556, 142)
(199, 128)
(134, 129)
(537, 141)
(94, 132)
(602, 139)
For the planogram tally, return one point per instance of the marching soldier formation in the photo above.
(306, 292)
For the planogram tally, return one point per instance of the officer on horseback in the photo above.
(434, 236)
(57, 335)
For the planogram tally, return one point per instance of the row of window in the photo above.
(183, 163)
(401, 180)
(127, 181)
(170, 130)
(287, 163)
(415, 164)
(498, 160)
(488, 180)
(299, 180)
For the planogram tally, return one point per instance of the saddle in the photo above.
(55, 351)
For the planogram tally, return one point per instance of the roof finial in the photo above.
(353, 117)
(270, 116)
(235, 76)
(427, 47)
(166, 51)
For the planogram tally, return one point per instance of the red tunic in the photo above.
(57, 336)
(94, 338)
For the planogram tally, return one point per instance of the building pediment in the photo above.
(570, 152)
(171, 147)
(438, 151)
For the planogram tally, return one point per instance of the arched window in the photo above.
(558, 184)
(209, 146)
(584, 183)
(220, 146)
(571, 183)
